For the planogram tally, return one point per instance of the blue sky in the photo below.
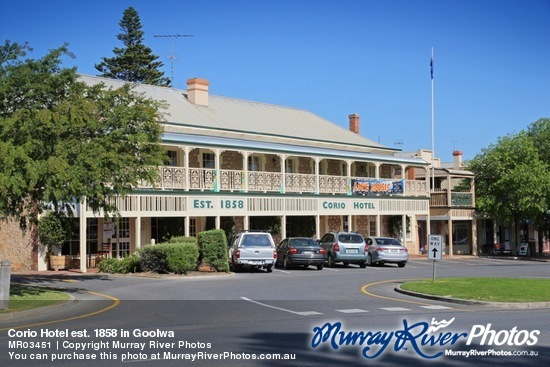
(334, 58)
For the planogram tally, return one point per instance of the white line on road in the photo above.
(302, 313)
(352, 310)
(436, 307)
(395, 309)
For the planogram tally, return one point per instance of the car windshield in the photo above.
(255, 240)
(350, 238)
(387, 241)
(297, 242)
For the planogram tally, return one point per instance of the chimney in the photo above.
(197, 91)
(354, 123)
(457, 162)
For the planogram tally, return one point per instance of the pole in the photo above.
(5, 278)
(433, 272)
(433, 124)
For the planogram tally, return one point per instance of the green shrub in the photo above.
(178, 258)
(128, 264)
(182, 239)
(213, 249)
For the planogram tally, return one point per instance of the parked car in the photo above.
(495, 249)
(345, 247)
(382, 250)
(252, 249)
(300, 251)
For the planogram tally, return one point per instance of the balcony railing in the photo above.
(458, 199)
(205, 179)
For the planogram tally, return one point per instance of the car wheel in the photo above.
(330, 261)
(402, 265)
(362, 265)
(320, 267)
(369, 260)
(286, 265)
(269, 268)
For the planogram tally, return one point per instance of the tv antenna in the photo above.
(172, 57)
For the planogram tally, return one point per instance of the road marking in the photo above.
(329, 269)
(352, 310)
(302, 313)
(364, 290)
(436, 307)
(115, 303)
(395, 309)
(282, 271)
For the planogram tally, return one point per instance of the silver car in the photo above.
(252, 250)
(382, 250)
(345, 247)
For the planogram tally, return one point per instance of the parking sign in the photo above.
(435, 247)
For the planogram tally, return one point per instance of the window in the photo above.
(289, 166)
(173, 158)
(253, 163)
(192, 227)
(372, 228)
(208, 160)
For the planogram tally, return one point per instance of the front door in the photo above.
(121, 242)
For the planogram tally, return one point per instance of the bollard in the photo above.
(5, 275)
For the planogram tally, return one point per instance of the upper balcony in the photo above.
(206, 179)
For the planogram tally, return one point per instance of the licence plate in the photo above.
(353, 251)
(307, 252)
(255, 262)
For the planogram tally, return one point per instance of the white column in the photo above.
(83, 240)
(316, 171)
(404, 229)
(378, 226)
(246, 222)
(217, 222)
(283, 227)
(137, 243)
(348, 173)
(245, 171)
(450, 229)
(186, 166)
(376, 169)
(318, 227)
(217, 153)
(350, 223)
(186, 226)
(283, 157)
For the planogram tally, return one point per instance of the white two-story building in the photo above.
(242, 164)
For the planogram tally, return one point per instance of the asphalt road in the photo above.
(342, 316)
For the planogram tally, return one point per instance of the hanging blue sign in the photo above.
(373, 186)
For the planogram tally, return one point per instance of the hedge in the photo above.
(178, 258)
(128, 264)
(213, 249)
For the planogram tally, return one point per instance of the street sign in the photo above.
(435, 247)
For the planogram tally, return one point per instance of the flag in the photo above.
(432, 67)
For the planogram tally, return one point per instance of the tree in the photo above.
(62, 141)
(512, 181)
(135, 62)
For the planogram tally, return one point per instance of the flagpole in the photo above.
(433, 125)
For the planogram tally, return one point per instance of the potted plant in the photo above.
(52, 234)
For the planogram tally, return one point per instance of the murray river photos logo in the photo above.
(426, 340)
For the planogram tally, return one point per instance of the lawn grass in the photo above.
(485, 289)
(24, 297)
